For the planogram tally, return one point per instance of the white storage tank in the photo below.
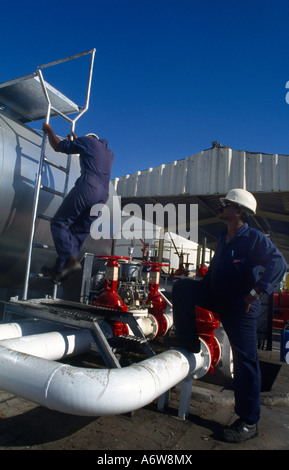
(20, 150)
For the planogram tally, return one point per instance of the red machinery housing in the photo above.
(156, 305)
(281, 310)
(110, 298)
(207, 322)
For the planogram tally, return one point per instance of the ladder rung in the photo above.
(44, 217)
(55, 165)
(46, 247)
(53, 191)
(38, 275)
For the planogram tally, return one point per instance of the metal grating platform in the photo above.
(78, 315)
(62, 311)
(23, 99)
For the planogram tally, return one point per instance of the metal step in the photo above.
(55, 165)
(52, 191)
(134, 339)
(44, 217)
(37, 275)
(45, 247)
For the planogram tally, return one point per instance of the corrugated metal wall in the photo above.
(212, 171)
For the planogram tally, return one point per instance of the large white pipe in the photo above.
(96, 392)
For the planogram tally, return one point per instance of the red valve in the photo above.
(157, 303)
(110, 298)
(119, 328)
(201, 270)
(207, 322)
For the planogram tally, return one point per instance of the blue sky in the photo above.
(170, 76)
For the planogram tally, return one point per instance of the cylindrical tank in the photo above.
(20, 150)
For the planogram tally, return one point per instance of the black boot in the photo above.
(71, 268)
(52, 274)
(240, 431)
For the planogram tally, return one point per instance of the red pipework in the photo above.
(144, 250)
(109, 298)
(201, 270)
(207, 322)
(157, 303)
(119, 328)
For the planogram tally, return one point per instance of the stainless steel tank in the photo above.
(20, 149)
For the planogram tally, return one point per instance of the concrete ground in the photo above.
(26, 426)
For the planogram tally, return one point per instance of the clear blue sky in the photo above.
(170, 76)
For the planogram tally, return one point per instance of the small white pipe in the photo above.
(148, 325)
(52, 346)
(170, 321)
(26, 327)
(96, 392)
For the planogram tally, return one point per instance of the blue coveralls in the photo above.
(233, 272)
(71, 224)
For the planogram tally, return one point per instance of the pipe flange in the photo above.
(206, 360)
(154, 327)
(225, 365)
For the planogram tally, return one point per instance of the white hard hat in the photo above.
(242, 197)
(92, 135)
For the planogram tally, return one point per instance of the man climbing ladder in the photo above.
(71, 224)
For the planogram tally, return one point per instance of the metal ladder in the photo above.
(63, 194)
(43, 160)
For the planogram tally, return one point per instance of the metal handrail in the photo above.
(44, 140)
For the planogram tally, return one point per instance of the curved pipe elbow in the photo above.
(94, 392)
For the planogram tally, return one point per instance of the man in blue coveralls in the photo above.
(71, 224)
(232, 288)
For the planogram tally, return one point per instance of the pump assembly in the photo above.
(131, 309)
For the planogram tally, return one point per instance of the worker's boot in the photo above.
(52, 274)
(240, 431)
(71, 268)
